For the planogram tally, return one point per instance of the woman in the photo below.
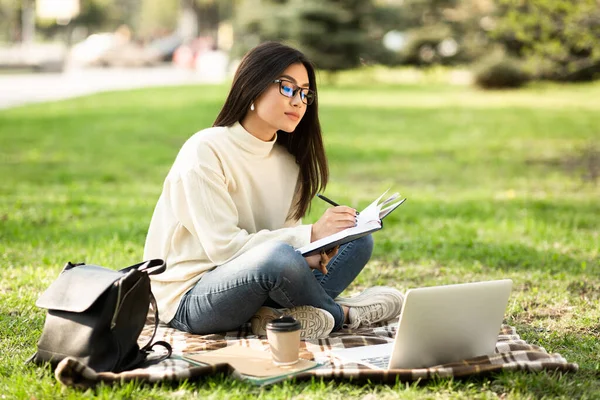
(229, 217)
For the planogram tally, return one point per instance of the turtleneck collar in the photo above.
(249, 142)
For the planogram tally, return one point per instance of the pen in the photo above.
(333, 203)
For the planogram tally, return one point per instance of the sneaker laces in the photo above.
(365, 315)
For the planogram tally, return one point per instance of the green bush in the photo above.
(584, 71)
(558, 39)
(500, 72)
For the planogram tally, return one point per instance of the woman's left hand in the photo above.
(320, 261)
(314, 261)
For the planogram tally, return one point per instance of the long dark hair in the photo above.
(259, 67)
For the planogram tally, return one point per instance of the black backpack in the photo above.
(96, 315)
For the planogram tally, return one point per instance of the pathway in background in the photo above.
(18, 89)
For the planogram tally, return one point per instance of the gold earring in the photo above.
(252, 107)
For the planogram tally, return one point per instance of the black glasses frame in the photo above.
(307, 96)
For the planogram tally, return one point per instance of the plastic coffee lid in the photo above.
(284, 324)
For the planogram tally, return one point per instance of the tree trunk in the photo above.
(207, 15)
(27, 22)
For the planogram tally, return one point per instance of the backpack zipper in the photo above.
(113, 321)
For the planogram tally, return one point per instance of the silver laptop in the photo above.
(439, 325)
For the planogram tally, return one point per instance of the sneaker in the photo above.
(376, 304)
(316, 323)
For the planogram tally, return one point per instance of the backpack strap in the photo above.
(148, 346)
(163, 344)
(150, 267)
(154, 267)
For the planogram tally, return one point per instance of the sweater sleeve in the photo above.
(204, 207)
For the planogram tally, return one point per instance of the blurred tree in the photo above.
(209, 14)
(444, 31)
(560, 39)
(157, 16)
(10, 20)
(386, 17)
(332, 33)
(94, 15)
(257, 21)
(129, 10)
(100, 15)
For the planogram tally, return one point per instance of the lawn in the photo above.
(499, 185)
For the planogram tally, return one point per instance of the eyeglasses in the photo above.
(289, 89)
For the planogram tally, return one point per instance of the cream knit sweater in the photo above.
(227, 192)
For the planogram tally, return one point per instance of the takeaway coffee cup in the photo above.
(283, 335)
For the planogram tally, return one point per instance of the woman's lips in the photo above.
(293, 116)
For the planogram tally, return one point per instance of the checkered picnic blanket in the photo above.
(512, 354)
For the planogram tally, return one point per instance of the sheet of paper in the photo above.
(371, 212)
(384, 212)
(249, 361)
(389, 199)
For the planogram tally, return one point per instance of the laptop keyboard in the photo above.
(380, 362)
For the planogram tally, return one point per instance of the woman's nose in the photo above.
(296, 100)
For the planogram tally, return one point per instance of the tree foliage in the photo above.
(560, 39)
(144, 17)
(332, 33)
(94, 16)
(10, 23)
(158, 15)
(431, 25)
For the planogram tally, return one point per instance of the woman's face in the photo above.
(278, 112)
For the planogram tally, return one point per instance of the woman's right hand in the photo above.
(333, 220)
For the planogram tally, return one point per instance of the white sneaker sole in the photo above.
(316, 323)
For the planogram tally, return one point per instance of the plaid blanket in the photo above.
(512, 354)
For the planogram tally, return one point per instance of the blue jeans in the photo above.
(272, 274)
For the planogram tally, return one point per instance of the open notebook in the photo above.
(369, 220)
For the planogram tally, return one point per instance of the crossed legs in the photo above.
(272, 274)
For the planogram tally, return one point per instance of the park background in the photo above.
(485, 114)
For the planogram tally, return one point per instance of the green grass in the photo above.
(494, 184)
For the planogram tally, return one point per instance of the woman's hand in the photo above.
(320, 261)
(333, 220)
(314, 261)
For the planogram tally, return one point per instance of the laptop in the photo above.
(439, 325)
